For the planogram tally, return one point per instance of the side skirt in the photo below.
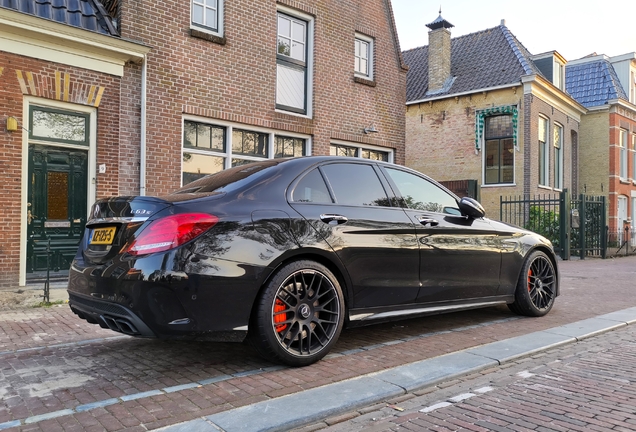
(368, 316)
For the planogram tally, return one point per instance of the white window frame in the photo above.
(558, 74)
(622, 159)
(218, 30)
(558, 155)
(360, 147)
(634, 158)
(544, 144)
(361, 39)
(228, 154)
(309, 61)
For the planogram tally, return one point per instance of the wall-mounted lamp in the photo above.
(12, 124)
(370, 129)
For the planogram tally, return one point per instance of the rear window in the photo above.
(229, 179)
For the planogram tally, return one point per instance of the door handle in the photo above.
(427, 221)
(333, 219)
(30, 217)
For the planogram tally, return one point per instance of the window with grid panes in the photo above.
(499, 150)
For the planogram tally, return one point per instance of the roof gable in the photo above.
(593, 83)
(481, 60)
(85, 14)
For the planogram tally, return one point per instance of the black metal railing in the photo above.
(573, 225)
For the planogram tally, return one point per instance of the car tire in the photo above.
(299, 314)
(537, 286)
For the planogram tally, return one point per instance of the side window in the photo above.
(311, 189)
(420, 194)
(366, 190)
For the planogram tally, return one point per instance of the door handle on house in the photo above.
(30, 216)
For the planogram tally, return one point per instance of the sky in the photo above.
(574, 28)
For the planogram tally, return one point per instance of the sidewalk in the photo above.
(32, 295)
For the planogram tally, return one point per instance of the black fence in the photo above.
(621, 242)
(576, 226)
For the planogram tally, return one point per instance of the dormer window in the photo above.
(558, 74)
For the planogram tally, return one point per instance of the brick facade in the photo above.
(441, 142)
(234, 79)
(45, 82)
(230, 78)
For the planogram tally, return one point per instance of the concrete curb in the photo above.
(309, 406)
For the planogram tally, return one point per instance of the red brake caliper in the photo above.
(529, 282)
(279, 315)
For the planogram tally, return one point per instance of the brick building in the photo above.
(480, 107)
(606, 86)
(61, 72)
(149, 96)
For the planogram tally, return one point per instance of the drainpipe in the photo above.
(142, 147)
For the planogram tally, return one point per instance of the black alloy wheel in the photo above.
(537, 286)
(300, 314)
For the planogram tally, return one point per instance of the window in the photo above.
(363, 56)
(623, 153)
(558, 156)
(312, 189)
(58, 126)
(289, 147)
(209, 148)
(499, 150)
(544, 155)
(361, 152)
(634, 157)
(558, 74)
(291, 64)
(420, 194)
(367, 191)
(208, 15)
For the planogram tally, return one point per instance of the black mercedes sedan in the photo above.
(286, 252)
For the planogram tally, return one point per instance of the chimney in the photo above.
(439, 53)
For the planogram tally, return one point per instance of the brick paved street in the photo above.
(60, 373)
(586, 386)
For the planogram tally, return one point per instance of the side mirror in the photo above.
(471, 208)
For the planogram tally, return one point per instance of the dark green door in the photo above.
(57, 200)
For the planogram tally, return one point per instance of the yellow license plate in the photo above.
(103, 236)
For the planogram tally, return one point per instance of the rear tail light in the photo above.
(170, 232)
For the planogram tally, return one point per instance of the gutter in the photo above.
(142, 144)
(465, 93)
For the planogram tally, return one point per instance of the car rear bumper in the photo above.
(109, 315)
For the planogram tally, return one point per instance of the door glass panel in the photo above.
(365, 191)
(420, 194)
(57, 195)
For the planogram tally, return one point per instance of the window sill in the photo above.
(545, 187)
(364, 81)
(207, 36)
(624, 181)
(490, 185)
